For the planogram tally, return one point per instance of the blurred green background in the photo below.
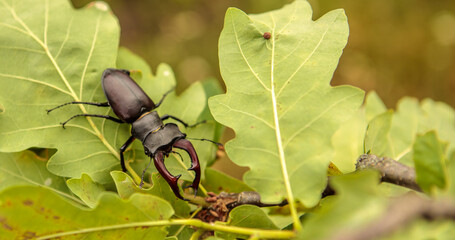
(396, 47)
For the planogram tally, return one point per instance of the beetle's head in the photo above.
(164, 149)
(153, 144)
(162, 140)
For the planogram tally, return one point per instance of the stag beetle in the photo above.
(132, 105)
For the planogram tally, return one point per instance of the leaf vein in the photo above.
(318, 117)
(68, 30)
(245, 59)
(15, 28)
(285, 84)
(46, 20)
(257, 150)
(82, 158)
(248, 114)
(35, 81)
(23, 49)
(295, 102)
(95, 37)
(40, 184)
(289, 22)
(45, 127)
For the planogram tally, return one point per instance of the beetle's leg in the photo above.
(171, 180)
(104, 104)
(127, 72)
(164, 95)
(166, 116)
(188, 147)
(220, 145)
(143, 173)
(122, 149)
(93, 115)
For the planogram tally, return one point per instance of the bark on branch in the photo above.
(391, 171)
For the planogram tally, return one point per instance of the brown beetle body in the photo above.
(132, 105)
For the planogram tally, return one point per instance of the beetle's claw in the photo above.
(171, 180)
(191, 186)
(188, 147)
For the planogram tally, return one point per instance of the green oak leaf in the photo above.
(216, 181)
(358, 201)
(409, 119)
(279, 101)
(373, 106)
(248, 216)
(126, 187)
(161, 189)
(348, 140)
(412, 118)
(54, 54)
(422, 229)
(30, 212)
(86, 189)
(376, 136)
(440, 117)
(212, 87)
(68, 50)
(451, 176)
(403, 130)
(27, 169)
(430, 162)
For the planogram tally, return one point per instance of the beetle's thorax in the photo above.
(154, 135)
(146, 124)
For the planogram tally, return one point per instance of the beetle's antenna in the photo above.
(208, 140)
(143, 173)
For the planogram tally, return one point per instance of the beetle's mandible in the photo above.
(132, 105)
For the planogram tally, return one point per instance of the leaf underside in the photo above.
(279, 100)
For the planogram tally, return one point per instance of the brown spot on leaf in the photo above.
(29, 235)
(28, 202)
(267, 35)
(5, 224)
